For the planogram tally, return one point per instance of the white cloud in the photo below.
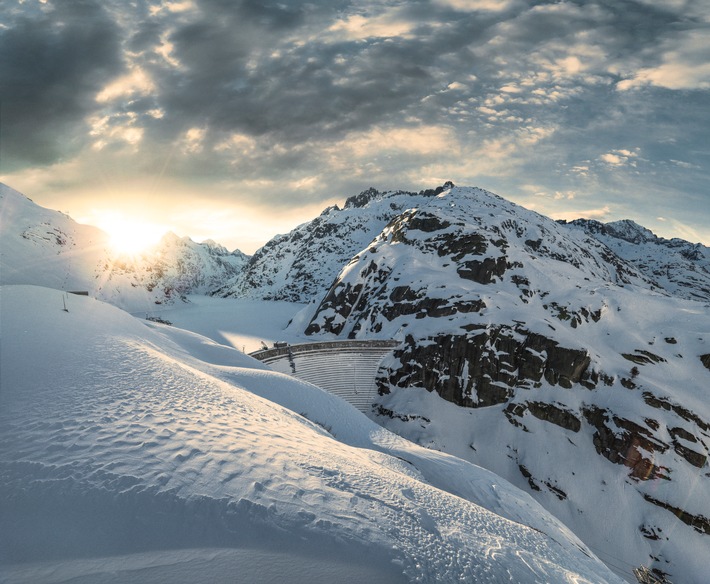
(488, 111)
(581, 169)
(684, 65)
(424, 140)
(165, 50)
(115, 128)
(511, 88)
(613, 159)
(238, 144)
(686, 165)
(598, 213)
(174, 7)
(358, 26)
(137, 82)
(620, 157)
(193, 140)
(505, 148)
(477, 5)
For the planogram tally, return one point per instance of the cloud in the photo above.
(477, 5)
(684, 64)
(358, 26)
(135, 83)
(288, 103)
(600, 214)
(52, 68)
(420, 140)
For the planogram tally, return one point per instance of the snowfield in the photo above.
(151, 454)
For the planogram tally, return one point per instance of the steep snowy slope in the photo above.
(44, 247)
(119, 439)
(680, 267)
(580, 379)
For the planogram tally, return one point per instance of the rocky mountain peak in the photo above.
(630, 231)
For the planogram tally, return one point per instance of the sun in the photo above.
(128, 236)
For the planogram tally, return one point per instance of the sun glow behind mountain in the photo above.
(128, 235)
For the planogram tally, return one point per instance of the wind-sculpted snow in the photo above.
(47, 248)
(116, 438)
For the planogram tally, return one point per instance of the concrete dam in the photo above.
(347, 369)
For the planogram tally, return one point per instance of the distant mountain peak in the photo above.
(630, 231)
(680, 267)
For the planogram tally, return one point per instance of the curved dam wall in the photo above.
(345, 368)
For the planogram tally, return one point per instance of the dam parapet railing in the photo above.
(266, 355)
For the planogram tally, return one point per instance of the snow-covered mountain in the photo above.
(300, 265)
(48, 248)
(562, 366)
(150, 454)
(678, 266)
(167, 272)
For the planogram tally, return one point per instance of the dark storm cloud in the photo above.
(51, 66)
(242, 76)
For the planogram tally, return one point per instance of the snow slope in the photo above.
(122, 445)
(46, 248)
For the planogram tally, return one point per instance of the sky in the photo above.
(236, 120)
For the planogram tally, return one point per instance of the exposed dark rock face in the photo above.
(695, 458)
(462, 246)
(547, 412)
(483, 271)
(692, 456)
(383, 411)
(700, 523)
(663, 403)
(705, 360)
(481, 368)
(642, 357)
(406, 301)
(623, 441)
(341, 300)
